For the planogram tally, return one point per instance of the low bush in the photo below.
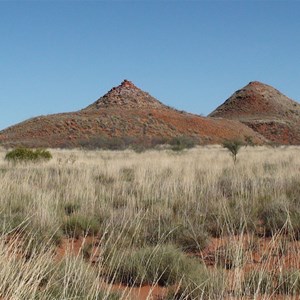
(72, 278)
(163, 264)
(190, 239)
(76, 225)
(199, 284)
(25, 154)
(273, 215)
(182, 142)
(288, 282)
(167, 229)
(257, 282)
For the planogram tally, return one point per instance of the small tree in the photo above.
(233, 146)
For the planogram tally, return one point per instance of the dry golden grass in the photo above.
(136, 205)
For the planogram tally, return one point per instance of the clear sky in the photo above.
(59, 56)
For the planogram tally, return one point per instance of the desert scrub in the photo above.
(201, 283)
(31, 232)
(258, 282)
(169, 199)
(229, 217)
(278, 215)
(163, 264)
(229, 256)
(25, 155)
(127, 174)
(76, 225)
(72, 278)
(288, 282)
(40, 277)
(182, 142)
(164, 230)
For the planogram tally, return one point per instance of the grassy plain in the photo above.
(186, 225)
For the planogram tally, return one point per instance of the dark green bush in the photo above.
(273, 215)
(182, 142)
(188, 240)
(78, 225)
(200, 283)
(164, 265)
(25, 154)
(72, 278)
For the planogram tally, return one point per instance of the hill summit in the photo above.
(265, 110)
(124, 112)
(126, 96)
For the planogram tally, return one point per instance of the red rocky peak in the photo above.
(127, 83)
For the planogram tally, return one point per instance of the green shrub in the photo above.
(167, 229)
(273, 215)
(77, 225)
(182, 142)
(164, 265)
(190, 240)
(25, 154)
(201, 283)
(72, 278)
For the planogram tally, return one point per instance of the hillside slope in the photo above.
(125, 111)
(265, 110)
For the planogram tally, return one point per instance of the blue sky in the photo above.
(58, 56)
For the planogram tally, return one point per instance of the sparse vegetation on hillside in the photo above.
(138, 144)
(125, 116)
(122, 143)
(276, 117)
(193, 224)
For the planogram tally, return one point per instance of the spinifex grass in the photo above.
(138, 205)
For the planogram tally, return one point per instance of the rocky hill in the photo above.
(125, 111)
(265, 110)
